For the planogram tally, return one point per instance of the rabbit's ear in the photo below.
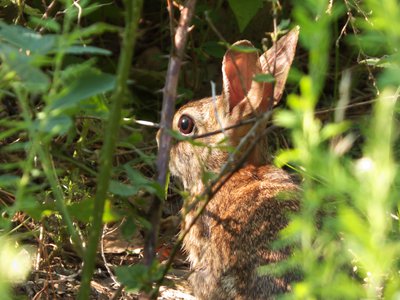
(277, 61)
(239, 65)
(242, 96)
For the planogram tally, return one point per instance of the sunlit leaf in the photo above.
(33, 208)
(83, 211)
(334, 129)
(264, 78)
(243, 49)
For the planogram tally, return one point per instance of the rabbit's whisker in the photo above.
(147, 123)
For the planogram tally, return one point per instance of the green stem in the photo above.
(133, 9)
(39, 145)
(52, 178)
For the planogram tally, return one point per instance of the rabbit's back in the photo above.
(233, 235)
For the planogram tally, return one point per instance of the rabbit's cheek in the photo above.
(172, 161)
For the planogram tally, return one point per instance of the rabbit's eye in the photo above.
(185, 124)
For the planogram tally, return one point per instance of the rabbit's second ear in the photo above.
(277, 61)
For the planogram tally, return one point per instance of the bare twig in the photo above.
(39, 250)
(48, 9)
(103, 256)
(171, 83)
(79, 8)
(117, 293)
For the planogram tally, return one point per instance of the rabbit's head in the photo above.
(242, 98)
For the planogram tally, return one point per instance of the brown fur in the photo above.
(233, 236)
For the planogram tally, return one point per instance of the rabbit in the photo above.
(233, 235)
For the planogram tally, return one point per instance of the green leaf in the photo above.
(283, 25)
(83, 211)
(26, 39)
(49, 24)
(29, 10)
(33, 208)
(134, 278)
(264, 78)
(95, 106)
(134, 138)
(139, 277)
(86, 85)
(286, 156)
(87, 50)
(122, 189)
(214, 49)
(207, 176)
(140, 181)
(285, 118)
(129, 228)
(245, 10)
(54, 125)
(8, 181)
(92, 30)
(333, 129)
(109, 215)
(74, 71)
(243, 49)
(22, 65)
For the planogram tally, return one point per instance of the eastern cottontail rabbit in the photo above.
(233, 236)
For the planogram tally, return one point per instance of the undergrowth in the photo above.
(61, 75)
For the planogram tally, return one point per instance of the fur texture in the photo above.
(232, 237)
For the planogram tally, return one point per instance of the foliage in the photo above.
(347, 233)
(59, 83)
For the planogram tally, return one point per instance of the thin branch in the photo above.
(103, 256)
(169, 96)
